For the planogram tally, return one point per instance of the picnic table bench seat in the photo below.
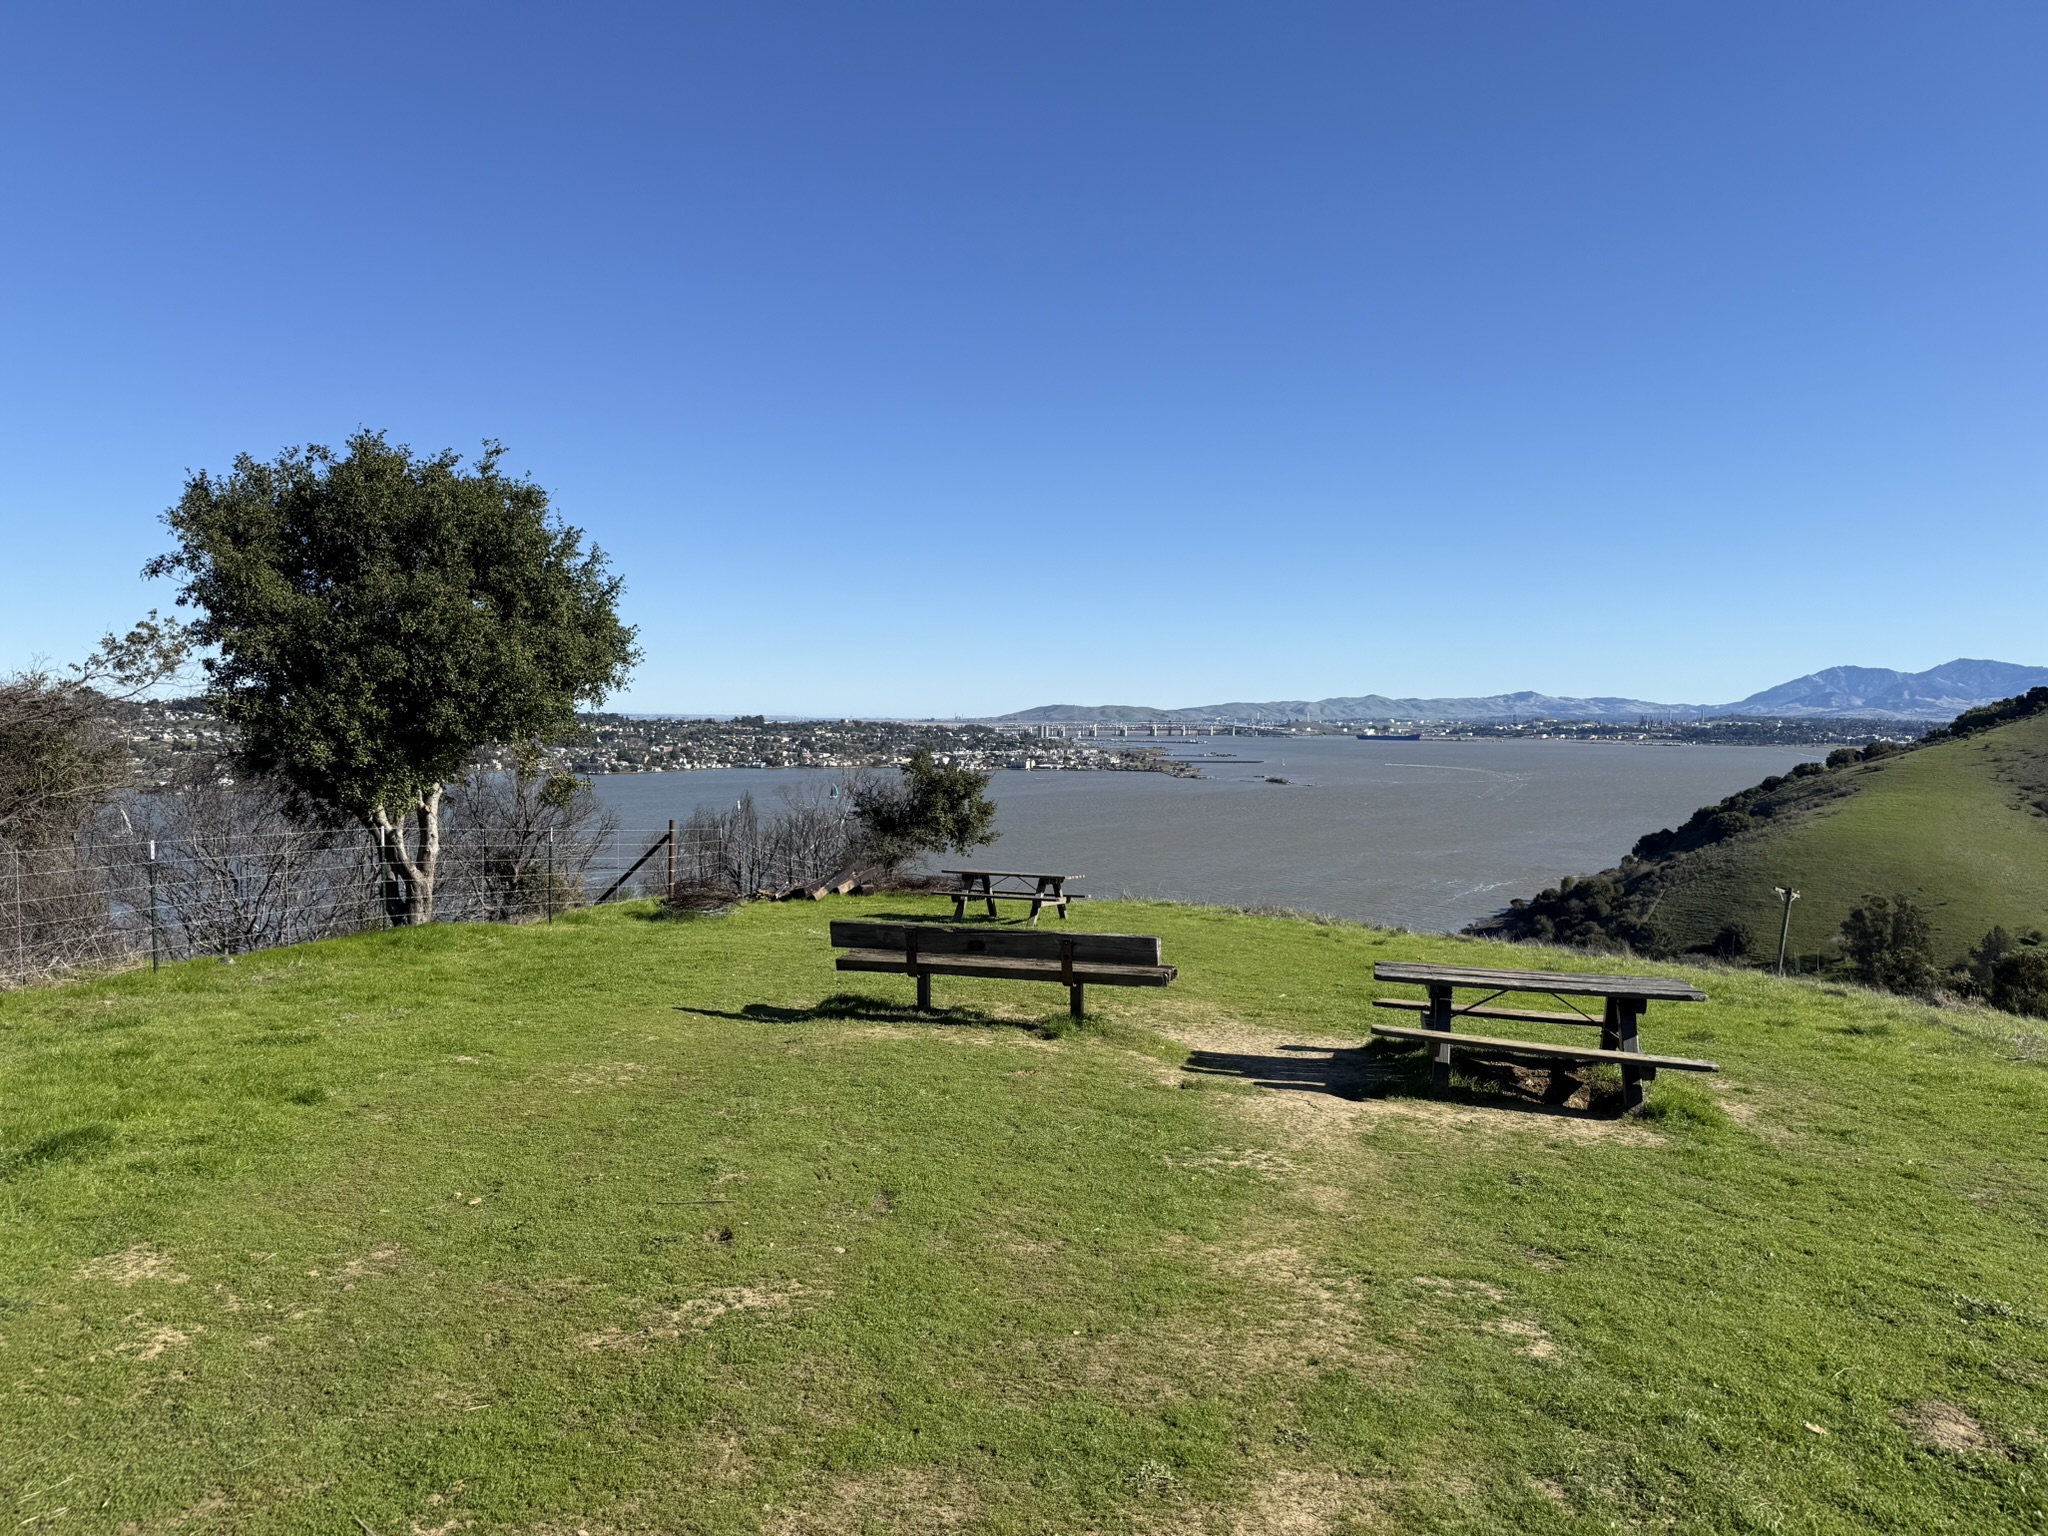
(1071, 960)
(1624, 1000)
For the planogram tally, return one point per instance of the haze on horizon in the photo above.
(923, 361)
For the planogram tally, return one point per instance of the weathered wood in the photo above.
(1519, 1015)
(1006, 968)
(1014, 943)
(1006, 874)
(1558, 983)
(1623, 1059)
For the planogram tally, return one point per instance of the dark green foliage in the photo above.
(1585, 912)
(1889, 944)
(1971, 721)
(381, 617)
(1733, 942)
(2019, 981)
(932, 807)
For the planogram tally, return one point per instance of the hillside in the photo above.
(1959, 824)
(649, 1228)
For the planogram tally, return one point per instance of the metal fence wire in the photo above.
(103, 901)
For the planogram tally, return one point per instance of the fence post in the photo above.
(671, 860)
(551, 875)
(155, 943)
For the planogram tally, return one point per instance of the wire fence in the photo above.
(103, 902)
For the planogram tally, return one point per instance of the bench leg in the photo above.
(924, 991)
(1440, 1018)
(1074, 1000)
(1034, 914)
(959, 908)
(1631, 1090)
(991, 906)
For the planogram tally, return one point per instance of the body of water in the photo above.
(1429, 835)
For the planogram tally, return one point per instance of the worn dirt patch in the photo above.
(1323, 1089)
(211, 1505)
(380, 1260)
(697, 1314)
(1291, 1502)
(133, 1267)
(602, 1074)
(1943, 1426)
(902, 1502)
(1269, 1165)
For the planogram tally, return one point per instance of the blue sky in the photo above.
(940, 359)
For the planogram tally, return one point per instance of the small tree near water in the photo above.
(932, 807)
(378, 618)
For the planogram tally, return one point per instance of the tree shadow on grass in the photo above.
(858, 1007)
(1383, 1069)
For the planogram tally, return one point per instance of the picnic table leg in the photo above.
(1035, 905)
(988, 887)
(1439, 1017)
(959, 908)
(1620, 1032)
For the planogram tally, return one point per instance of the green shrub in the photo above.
(1890, 944)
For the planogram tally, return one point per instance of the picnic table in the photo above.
(1624, 1000)
(994, 885)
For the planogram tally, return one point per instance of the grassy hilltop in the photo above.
(621, 1225)
(1959, 825)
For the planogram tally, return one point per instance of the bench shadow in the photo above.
(857, 1007)
(1381, 1069)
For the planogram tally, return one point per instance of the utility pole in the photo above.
(1788, 896)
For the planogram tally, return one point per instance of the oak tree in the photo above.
(378, 617)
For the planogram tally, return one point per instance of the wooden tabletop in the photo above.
(1667, 989)
(1008, 874)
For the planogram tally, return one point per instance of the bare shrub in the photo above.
(522, 840)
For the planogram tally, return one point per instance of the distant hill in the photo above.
(1868, 693)
(1878, 693)
(1959, 824)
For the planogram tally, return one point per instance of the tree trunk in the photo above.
(406, 878)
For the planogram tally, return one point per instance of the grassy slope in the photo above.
(608, 1227)
(1949, 824)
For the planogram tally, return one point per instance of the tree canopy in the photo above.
(378, 617)
(932, 807)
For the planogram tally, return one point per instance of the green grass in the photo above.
(624, 1225)
(1959, 826)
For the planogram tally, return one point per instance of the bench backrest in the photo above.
(1006, 943)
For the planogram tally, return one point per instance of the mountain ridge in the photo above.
(1865, 693)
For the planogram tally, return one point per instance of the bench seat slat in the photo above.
(1006, 968)
(1533, 1048)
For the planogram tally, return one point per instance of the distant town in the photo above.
(158, 732)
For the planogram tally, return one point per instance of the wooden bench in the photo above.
(1624, 1000)
(994, 885)
(1073, 961)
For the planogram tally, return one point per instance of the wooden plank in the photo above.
(1007, 874)
(1669, 989)
(1048, 897)
(1014, 943)
(1001, 968)
(1437, 1037)
(1519, 1015)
